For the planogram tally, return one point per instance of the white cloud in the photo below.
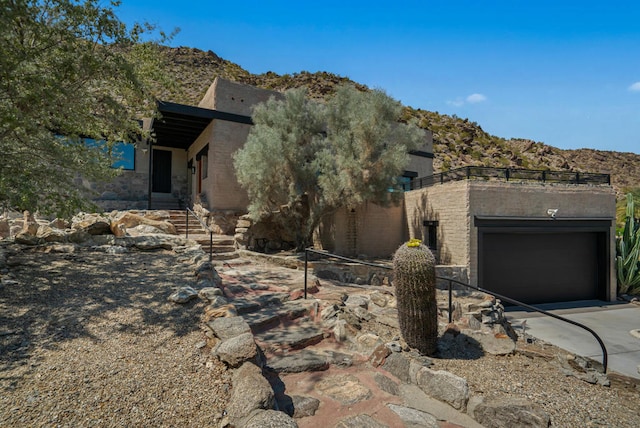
(635, 87)
(476, 98)
(471, 99)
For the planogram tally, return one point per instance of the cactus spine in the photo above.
(414, 279)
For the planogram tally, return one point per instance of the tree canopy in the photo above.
(69, 70)
(305, 159)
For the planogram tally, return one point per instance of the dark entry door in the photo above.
(543, 267)
(161, 171)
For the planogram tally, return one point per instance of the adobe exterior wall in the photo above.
(369, 230)
(232, 97)
(489, 198)
(448, 204)
(224, 138)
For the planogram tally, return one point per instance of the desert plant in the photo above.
(415, 282)
(628, 252)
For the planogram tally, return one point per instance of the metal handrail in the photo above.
(605, 356)
(511, 174)
(204, 226)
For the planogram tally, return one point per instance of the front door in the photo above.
(161, 171)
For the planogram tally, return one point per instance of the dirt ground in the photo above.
(88, 338)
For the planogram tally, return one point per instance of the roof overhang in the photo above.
(179, 125)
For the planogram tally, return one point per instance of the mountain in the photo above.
(457, 141)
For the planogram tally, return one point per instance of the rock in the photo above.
(510, 412)
(379, 355)
(340, 331)
(329, 315)
(5, 228)
(367, 343)
(226, 328)
(29, 224)
(132, 221)
(413, 418)
(250, 391)
(398, 365)
(236, 350)
(210, 293)
(444, 386)
(493, 343)
(304, 406)
(360, 421)
(49, 234)
(155, 242)
(26, 239)
(93, 224)
(386, 384)
(225, 311)
(379, 299)
(357, 300)
(345, 389)
(78, 236)
(269, 419)
(183, 295)
(303, 361)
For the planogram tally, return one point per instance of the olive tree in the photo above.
(305, 159)
(69, 70)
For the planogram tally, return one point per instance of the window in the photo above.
(405, 180)
(124, 154)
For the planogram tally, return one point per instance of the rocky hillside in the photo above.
(457, 141)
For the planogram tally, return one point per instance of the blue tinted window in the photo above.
(126, 153)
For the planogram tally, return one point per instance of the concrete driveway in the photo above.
(612, 321)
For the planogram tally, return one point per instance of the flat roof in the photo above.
(179, 124)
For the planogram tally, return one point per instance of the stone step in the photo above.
(274, 315)
(295, 336)
(221, 257)
(308, 360)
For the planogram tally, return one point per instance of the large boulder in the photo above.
(130, 221)
(250, 391)
(444, 386)
(93, 224)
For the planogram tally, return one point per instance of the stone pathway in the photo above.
(335, 359)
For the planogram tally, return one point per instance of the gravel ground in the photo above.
(89, 339)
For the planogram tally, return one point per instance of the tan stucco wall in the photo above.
(533, 200)
(232, 97)
(378, 231)
(422, 165)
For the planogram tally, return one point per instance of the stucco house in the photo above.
(535, 236)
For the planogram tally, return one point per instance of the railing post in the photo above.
(306, 263)
(544, 176)
(186, 214)
(450, 304)
(468, 172)
(507, 173)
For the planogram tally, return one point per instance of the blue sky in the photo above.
(566, 73)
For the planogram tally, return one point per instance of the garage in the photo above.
(544, 260)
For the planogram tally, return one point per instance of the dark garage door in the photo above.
(543, 267)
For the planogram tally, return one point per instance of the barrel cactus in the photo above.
(415, 282)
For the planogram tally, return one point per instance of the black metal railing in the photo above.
(203, 225)
(511, 174)
(605, 356)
